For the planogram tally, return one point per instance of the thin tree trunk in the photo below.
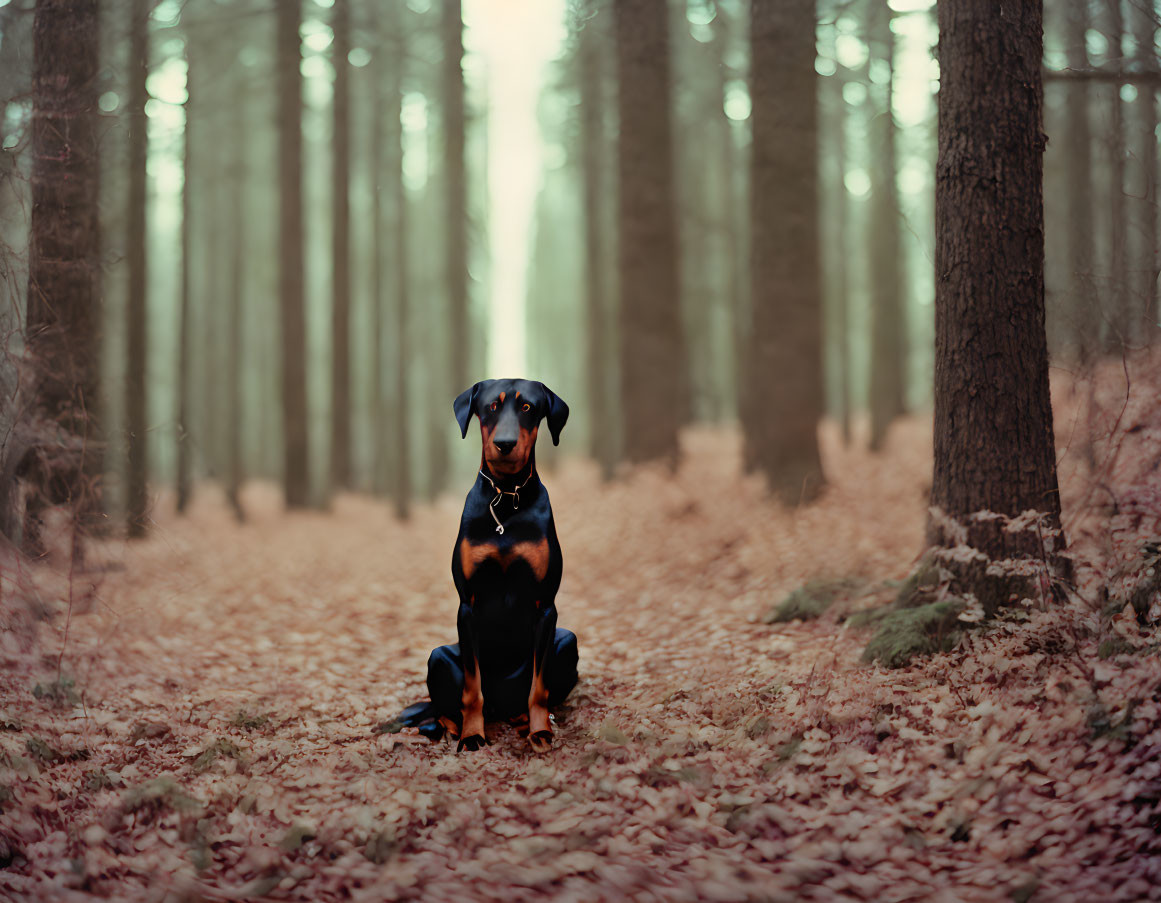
(994, 448)
(456, 198)
(1119, 333)
(235, 344)
(654, 391)
(381, 178)
(341, 254)
(296, 475)
(400, 408)
(786, 351)
(888, 312)
(602, 430)
(1083, 311)
(183, 326)
(63, 311)
(1144, 190)
(135, 385)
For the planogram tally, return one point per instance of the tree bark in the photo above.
(63, 308)
(296, 475)
(341, 254)
(994, 447)
(137, 499)
(888, 311)
(786, 346)
(1119, 319)
(654, 393)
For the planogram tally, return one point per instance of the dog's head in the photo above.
(510, 411)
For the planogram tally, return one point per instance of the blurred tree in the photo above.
(1117, 301)
(1143, 179)
(182, 435)
(888, 311)
(592, 57)
(994, 449)
(1083, 315)
(654, 394)
(296, 475)
(341, 251)
(63, 465)
(235, 177)
(785, 360)
(136, 424)
(461, 362)
(400, 433)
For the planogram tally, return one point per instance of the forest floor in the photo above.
(199, 724)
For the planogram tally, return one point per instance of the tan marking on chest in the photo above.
(472, 555)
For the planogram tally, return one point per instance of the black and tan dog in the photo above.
(511, 658)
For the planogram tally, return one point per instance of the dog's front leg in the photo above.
(472, 701)
(543, 650)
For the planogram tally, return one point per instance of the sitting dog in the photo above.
(511, 658)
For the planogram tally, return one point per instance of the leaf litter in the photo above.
(226, 729)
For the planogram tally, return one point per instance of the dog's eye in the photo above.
(495, 404)
(527, 407)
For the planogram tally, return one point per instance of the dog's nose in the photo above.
(505, 445)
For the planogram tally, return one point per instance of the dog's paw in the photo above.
(472, 743)
(540, 741)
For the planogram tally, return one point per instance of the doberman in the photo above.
(511, 658)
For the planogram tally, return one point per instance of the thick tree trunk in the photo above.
(296, 475)
(994, 448)
(1083, 313)
(137, 499)
(654, 394)
(63, 312)
(600, 351)
(786, 347)
(341, 254)
(888, 312)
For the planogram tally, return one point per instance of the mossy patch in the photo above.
(1114, 646)
(907, 632)
(811, 600)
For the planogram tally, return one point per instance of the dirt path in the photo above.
(231, 677)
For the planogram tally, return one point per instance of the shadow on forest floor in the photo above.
(208, 730)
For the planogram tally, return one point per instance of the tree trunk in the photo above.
(400, 408)
(786, 346)
(183, 327)
(654, 393)
(602, 426)
(994, 448)
(1143, 183)
(341, 254)
(1119, 318)
(1084, 317)
(235, 344)
(888, 312)
(296, 476)
(381, 177)
(63, 310)
(137, 499)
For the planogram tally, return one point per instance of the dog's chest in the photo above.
(487, 555)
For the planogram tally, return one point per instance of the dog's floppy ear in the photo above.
(464, 405)
(557, 414)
